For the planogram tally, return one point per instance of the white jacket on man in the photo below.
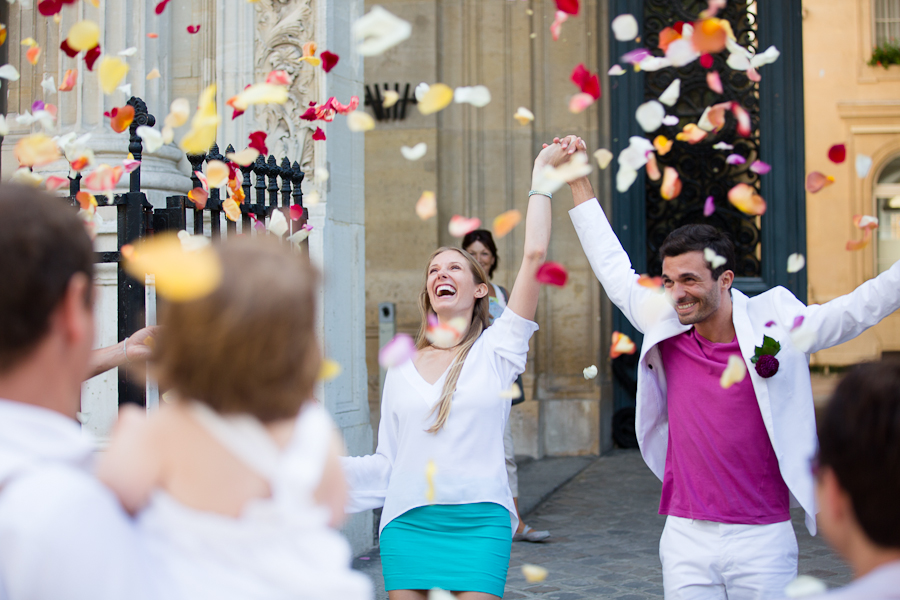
(785, 399)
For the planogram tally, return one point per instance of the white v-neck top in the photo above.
(467, 453)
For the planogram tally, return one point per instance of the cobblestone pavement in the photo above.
(606, 536)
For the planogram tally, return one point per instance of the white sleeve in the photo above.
(368, 476)
(506, 343)
(611, 264)
(847, 316)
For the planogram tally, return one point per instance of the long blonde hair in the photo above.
(481, 318)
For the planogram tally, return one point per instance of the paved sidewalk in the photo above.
(605, 538)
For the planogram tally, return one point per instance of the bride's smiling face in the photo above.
(451, 285)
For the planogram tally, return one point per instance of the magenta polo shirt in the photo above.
(720, 464)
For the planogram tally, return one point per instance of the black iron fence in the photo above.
(267, 185)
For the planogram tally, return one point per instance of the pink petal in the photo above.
(709, 207)
(760, 168)
(296, 212)
(551, 273)
(743, 119)
(815, 181)
(735, 159)
(556, 26)
(671, 184)
(460, 226)
(579, 102)
(753, 75)
(397, 351)
(770, 323)
(746, 200)
(714, 82)
(798, 321)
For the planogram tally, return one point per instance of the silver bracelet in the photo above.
(533, 192)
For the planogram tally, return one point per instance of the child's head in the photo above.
(249, 346)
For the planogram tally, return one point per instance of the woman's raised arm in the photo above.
(524, 297)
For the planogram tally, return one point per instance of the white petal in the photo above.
(624, 178)
(9, 72)
(48, 84)
(625, 27)
(379, 30)
(705, 124)
(421, 90)
(723, 146)
(590, 372)
(125, 89)
(805, 585)
(616, 70)
(649, 115)
(681, 52)
(738, 61)
(129, 51)
(153, 139)
(670, 96)
(477, 96)
(4, 126)
(439, 594)
(654, 63)
(575, 168)
(603, 157)
(25, 119)
(766, 58)
(795, 262)
(635, 155)
(863, 164)
(670, 120)
(714, 260)
(414, 153)
(804, 337)
(277, 223)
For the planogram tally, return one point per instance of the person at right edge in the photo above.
(732, 461)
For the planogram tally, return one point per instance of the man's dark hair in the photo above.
(43, 243)
(859, 440)
(484, 236)
(696, 238)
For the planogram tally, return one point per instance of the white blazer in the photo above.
(785, 399)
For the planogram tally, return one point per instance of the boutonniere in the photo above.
(764, 357)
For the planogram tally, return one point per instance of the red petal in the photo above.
(309, 115)
(329, 59)
(91, 57)
(67, 49)
(296, 212)
(258, 142)
(48, 8)
(236, 114)
(567, 6)
(319, 134)
(679, 27)
(193, 28)
(588, 83)
(837, 153)
(552, 273)
(161, 7)
(580, 75)
(706, 61)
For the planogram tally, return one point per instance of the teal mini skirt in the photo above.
(455, 547)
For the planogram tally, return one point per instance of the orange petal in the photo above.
(86, 200)
(650, 282)
(104, 178)
(667, 36)
(860, 244)
(662, 144)
(709, 36)
(83, 35)
(216, 173)
(122, 119)
(35, 150)
(506, 222)
(671, 184)
(459, 226)
(198, 196)
(621, 344)
(232, 210)
(815, 181)
(180, 275)
(691, 134)
(652, 167)
(2, 34)
(746, 200)
(33, 54)
(438, 98)
(68, 81)
(426, 206)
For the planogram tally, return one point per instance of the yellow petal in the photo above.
(329, 370)
(179, 111)
(506, 222)
(734, 372)
(29, 41)
(359, 120)
(232, 210)
(662, 144)
(534, 573)
(603, 157)
(35, 150)
(426, 206)
(216, 173)
(390, 98)
(154, 74)
(199, 139)
(83, 35)
(112, 71)
(438, 98)
(244, 158)
(180, 275)
(260, 93)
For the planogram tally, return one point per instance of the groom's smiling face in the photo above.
(691, 288)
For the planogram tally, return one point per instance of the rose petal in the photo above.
(179, 111)
(397, 351)
(112, 71)
(318, 135)
(603, 157)
(459, 226)
(204, 124)
(91, 57)
(278, 225)
(588, 83)
(534, 573)
(121, 118)
(621, 344)
(478, 95)
(743, 119)
(9, 72)
(635, 56)
(278, 78)
(556, 26)
(258, 142)
(795, 262)
(662, 144)
(232, 210)
(759, 167)
(734, 373)
(650, 282)
(735, 159)
(506, 222)
(445, 335)
(815, 181)
(653, 168)
(616, 70)
(360, 121)
(635, 155)
(854, 245)
(567, 6)
(625, 27)
(649, 115)
(83, 35)
(714, 82)
(579, 102)
(691, 134)
(193, 28)
(329, 60)
(746, 200)
(216, 173)
(552, 178)
(414, 153)
(426, 206)
(863, 164)
(765, 58)
(713, 117)
(36, 150)
(625, 177)
(671, 184)
(551, 273)
(180, 275)
(54, 182)
(709, 36)
(259, 93)
(103, 179)
(130, 164)
(670, 96)
(390, 98)
(161, 6)
(198, 196)
(837, 153)
(438, 98)
(48, 84)
(670, 120)
(706, 61)
(152, 139)
(523, 116)
(723, 146)
(379, 30)
(154, 74)
(709, 207)
(680, 53)
(244, 158)
(865, 222)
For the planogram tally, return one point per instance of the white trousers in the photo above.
(702, 560)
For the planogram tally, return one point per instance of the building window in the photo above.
(887, 21)
(887, 198)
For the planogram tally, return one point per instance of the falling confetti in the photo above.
(459, 226)
(112, 71)
(278, 224)
(534, 573)
(397, 351)
(309, 54)
(553, 178)
(193, 28)
(625, 27)
(568, 6)
(867, 224)
(671, 94)
(795, 263)
(506, 222)
(318, 135)
(735, 159)
(523, 116)
(360, 121)
(709, 207)
(551, 273)
(329, 60)
(202, 134)
(83, 36)
(244, 158)
(445, 335)
(36, 150)
(180, 275)
(390, 98)
(438, 97)
(154, 74)
(815, 181)
(430, 472)
(414, 153)
(590, 372)
(759, 167)
(863, 164)
(556, 26)
(671, 184)
(9, 73)
(579, 102)
(715, 260)
(379, 30)
(478, 96)
(426, 206)
(735, 372)
(616, 70)
(603, 158)
(330, 370)
(586, 81)
(837, 153)
(746, 200)
(621, 344)
(654, 283)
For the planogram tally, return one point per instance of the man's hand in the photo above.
(140, 344)
(137, 347)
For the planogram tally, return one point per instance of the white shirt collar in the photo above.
(31, 435)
